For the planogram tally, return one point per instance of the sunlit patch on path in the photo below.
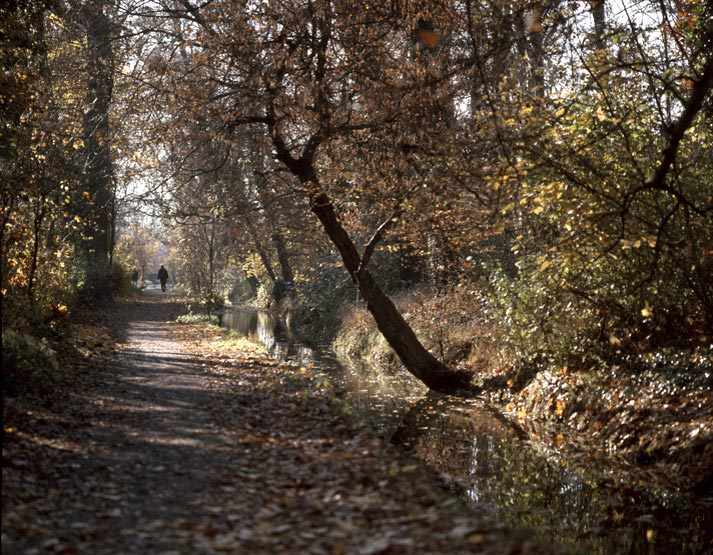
(176, 448)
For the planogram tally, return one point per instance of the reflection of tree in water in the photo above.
(491, 463)
(439, 431)
(265, 328)
(509, 479)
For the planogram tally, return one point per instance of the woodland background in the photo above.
(530, 180)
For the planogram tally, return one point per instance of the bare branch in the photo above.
(675, 132)
(375, 239)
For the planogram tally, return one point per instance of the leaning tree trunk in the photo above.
(397, 332)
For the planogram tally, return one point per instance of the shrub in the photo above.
(323, 300)
(28, 363)
(119, 278)
(534, 316)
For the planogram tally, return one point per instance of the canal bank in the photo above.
(566, 495)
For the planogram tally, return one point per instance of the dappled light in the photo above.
(464, 248)
(523, 479)
(179, 445)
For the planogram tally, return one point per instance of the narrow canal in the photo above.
(491, 463)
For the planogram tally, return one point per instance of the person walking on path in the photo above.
(163, 277)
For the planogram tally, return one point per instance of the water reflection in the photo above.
(576, 504)
(262, 326)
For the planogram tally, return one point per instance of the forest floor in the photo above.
(168, 441)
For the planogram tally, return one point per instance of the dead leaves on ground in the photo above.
(656, 427)
(275, 469)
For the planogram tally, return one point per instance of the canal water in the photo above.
(488, 461)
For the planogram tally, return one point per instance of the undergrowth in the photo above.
(28, 363)
(193, 318)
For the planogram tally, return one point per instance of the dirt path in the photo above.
(175, 447)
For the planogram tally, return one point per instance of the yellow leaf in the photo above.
(476, 538)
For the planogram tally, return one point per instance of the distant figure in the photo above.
(135, 277)
(163, 277)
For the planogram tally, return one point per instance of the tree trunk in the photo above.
(97, 150)
(210, 296)
(397, 332)
(37, 228)
(257, 140)
(278, 241)
(264, 258)
(598, 8)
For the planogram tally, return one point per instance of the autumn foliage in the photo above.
(551, 159)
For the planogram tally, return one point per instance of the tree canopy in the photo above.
(553, 156)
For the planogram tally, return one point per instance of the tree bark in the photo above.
(98, 163)
(397, 332)
(598, 8)
(38, 220)
(257, 244)
(402, 339)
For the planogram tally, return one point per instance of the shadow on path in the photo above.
(131, 458)
(170, 452)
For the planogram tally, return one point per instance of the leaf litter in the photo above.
(175, 443)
